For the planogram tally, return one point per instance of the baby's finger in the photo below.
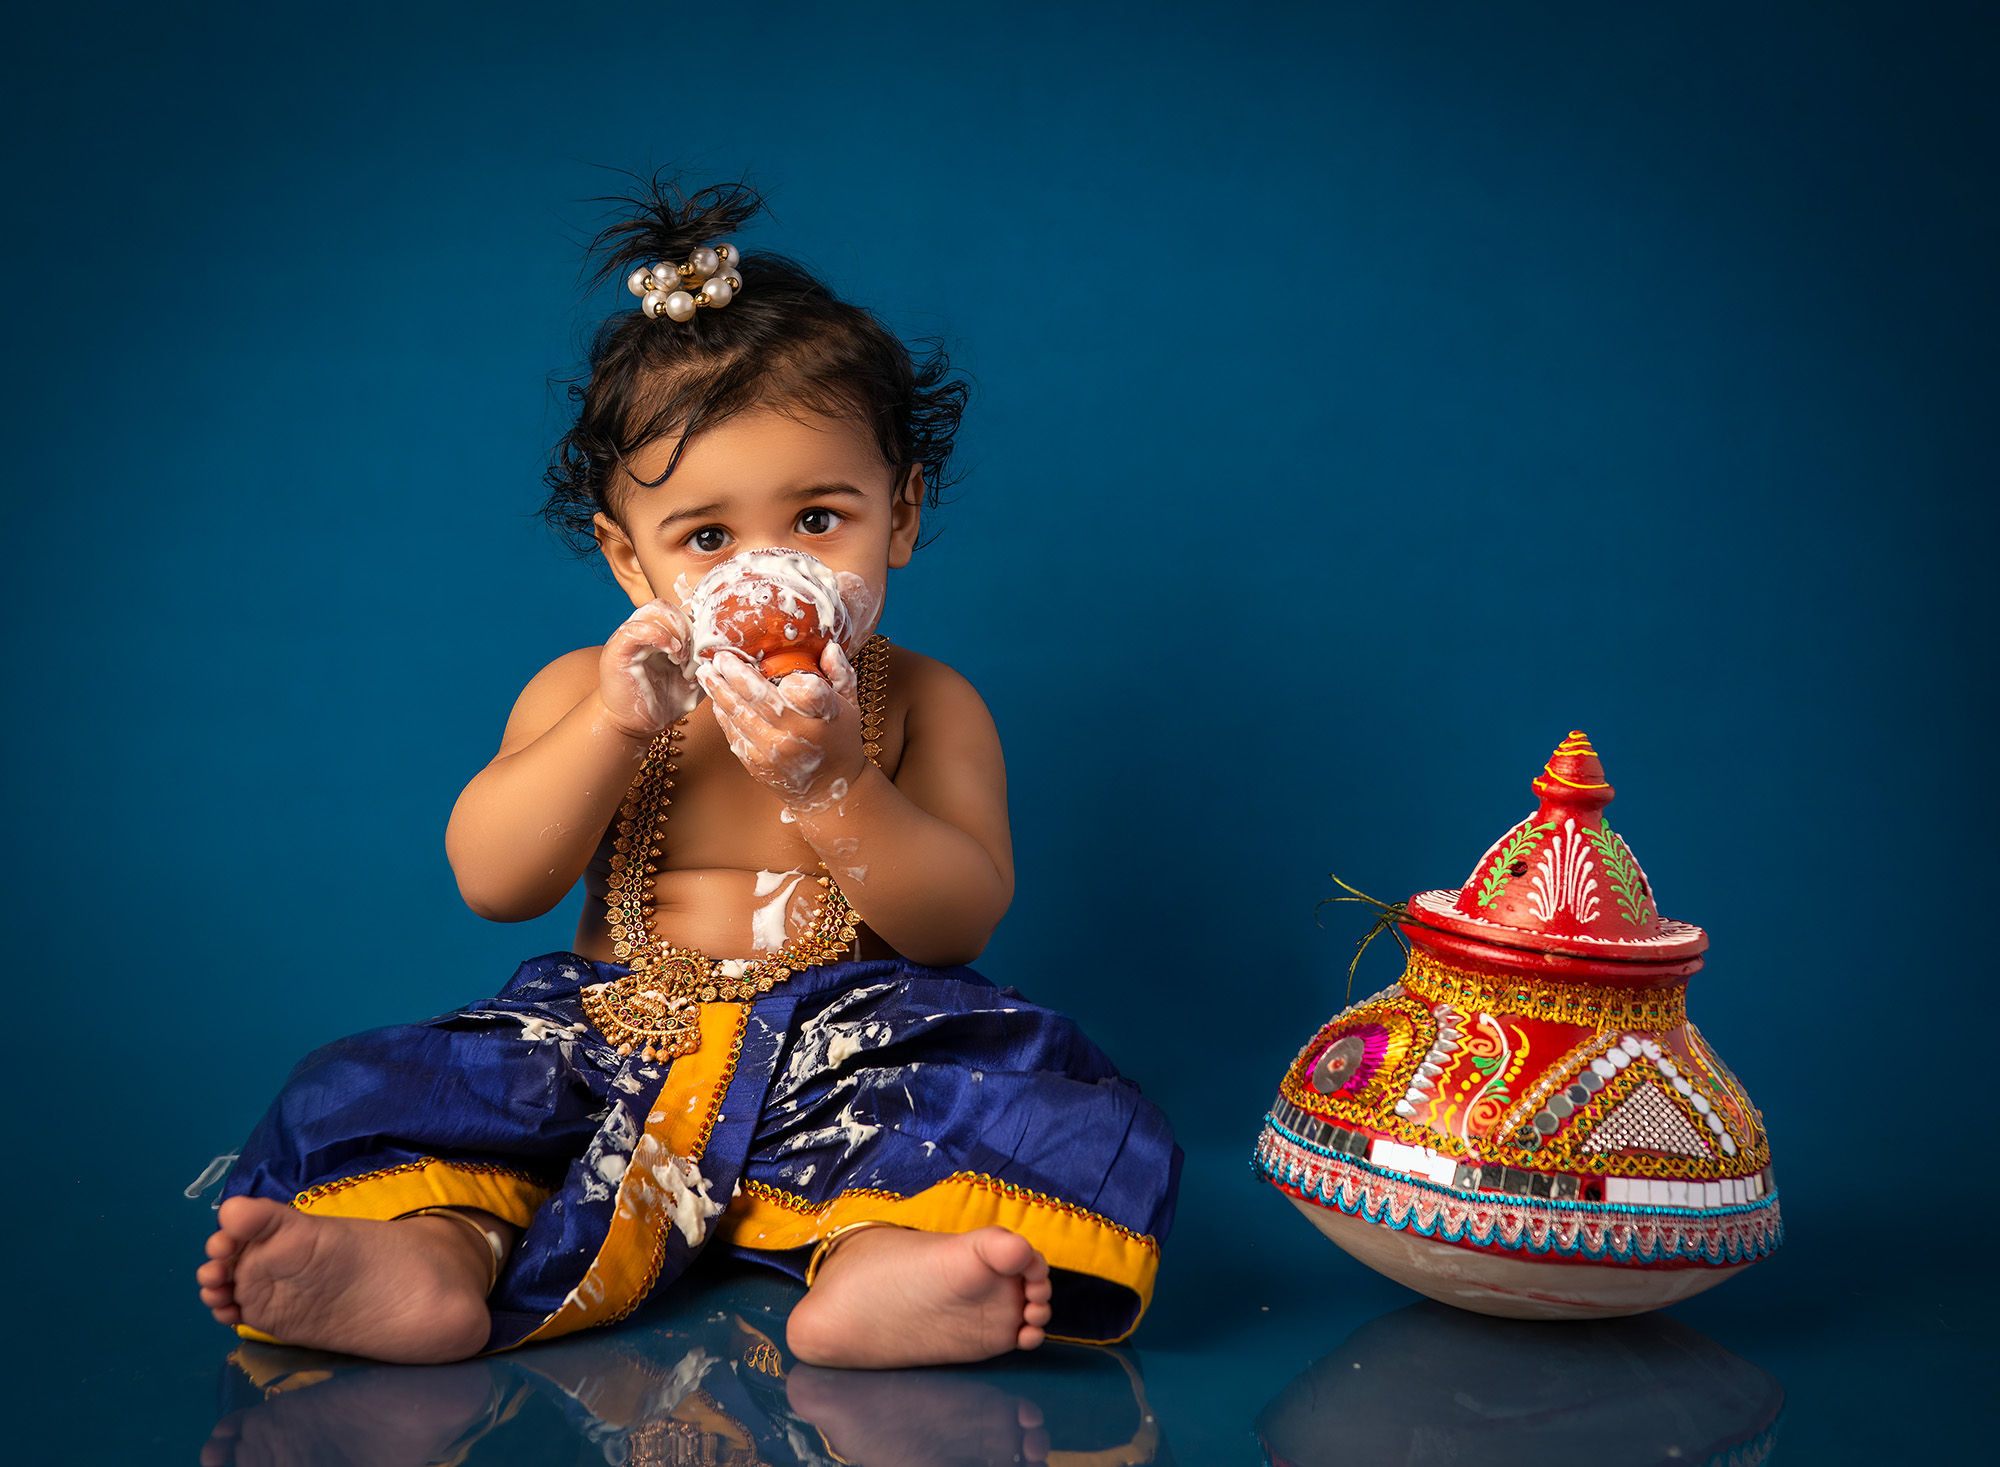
(740, 743)
(714, 681)
(840, 673)
(810, 694)
(750, 685)
(658, 624)
(777, 758)
(750, 734)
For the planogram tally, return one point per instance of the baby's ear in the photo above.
(622, 558)
(906, 518)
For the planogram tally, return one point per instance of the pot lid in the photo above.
(1563, 880)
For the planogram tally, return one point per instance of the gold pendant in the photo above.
(655, 1011)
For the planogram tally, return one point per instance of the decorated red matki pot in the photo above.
(1527, 1124)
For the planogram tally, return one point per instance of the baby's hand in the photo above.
(643, 675)
(800, 737)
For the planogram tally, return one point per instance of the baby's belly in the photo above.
(722, 912)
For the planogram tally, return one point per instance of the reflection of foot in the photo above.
(412, 1291)
(907, 1419)
(891, 1297)
(382, 1416)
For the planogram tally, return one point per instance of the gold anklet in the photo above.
(656, 1008)
(487, 1237)
(820, 1253)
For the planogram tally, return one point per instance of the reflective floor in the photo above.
(1265, 1345)
(706, 1380)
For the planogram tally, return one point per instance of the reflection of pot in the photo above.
(1430, 1385)
(779, 608)
(1527, 1124)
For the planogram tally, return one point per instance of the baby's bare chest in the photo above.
(728, 849)
(718, 817)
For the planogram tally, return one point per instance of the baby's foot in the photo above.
(912, 1418)
(411, 1291)
(892, 1297)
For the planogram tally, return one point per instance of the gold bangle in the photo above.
(820, 1253)
(494, 1243)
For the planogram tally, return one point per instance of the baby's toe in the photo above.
(1005, 1252)
(1036, 1315)
(218, 1296)
(1030, 1337)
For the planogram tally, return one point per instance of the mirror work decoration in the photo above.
(1527, 1124)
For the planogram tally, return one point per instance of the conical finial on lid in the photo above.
(1563, 880)
(1574, 775)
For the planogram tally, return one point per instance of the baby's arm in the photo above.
(927, 860)
(525, 828)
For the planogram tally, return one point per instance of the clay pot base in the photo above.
(1511, 1288)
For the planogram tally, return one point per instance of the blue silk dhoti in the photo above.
(922, 1096)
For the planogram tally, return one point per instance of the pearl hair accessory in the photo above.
(709, 278)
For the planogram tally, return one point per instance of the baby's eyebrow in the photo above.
(693, 512)
(815, 491)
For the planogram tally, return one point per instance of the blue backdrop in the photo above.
(1368, 395)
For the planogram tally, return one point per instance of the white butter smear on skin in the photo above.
(767, 921)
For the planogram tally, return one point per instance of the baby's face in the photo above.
(759, 480)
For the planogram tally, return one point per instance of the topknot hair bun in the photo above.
(667, 224)
(787, 341)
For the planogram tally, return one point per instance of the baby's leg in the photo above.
(893, 1297)
(412, 1290)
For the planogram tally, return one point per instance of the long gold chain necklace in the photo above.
(656, 1008)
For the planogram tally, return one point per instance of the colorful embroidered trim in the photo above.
(1616, 1233)
(972, 1179)
(766, 1219)
(1583, 1003)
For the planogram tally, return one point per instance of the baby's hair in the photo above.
(784, 341)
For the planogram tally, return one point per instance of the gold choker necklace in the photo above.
(656, 1008)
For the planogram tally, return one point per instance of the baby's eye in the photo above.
(818, 521)
(709, 539)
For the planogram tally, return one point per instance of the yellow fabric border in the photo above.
(769, 1220)
(635, 1245)
(429, 1182)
